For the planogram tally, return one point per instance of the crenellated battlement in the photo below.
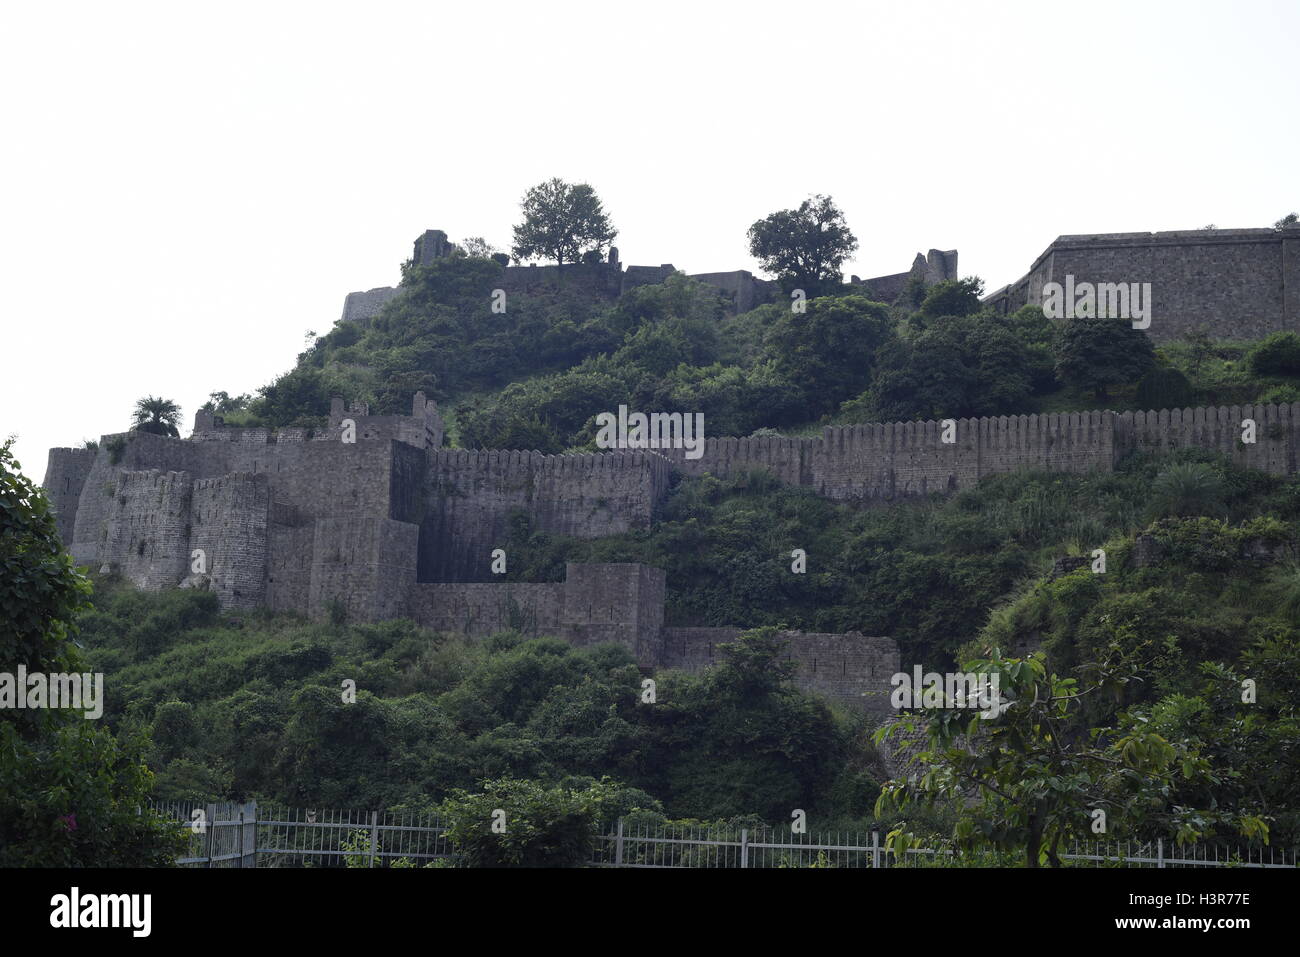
(392, 525)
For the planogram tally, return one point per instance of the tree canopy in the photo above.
(562, 221)
(804, 247)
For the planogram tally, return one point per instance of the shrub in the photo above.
(1188, 488)
(1279, 395)
(1278, 354)
(116, 446)
(1164, 387)
(514, 823)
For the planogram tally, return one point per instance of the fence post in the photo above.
(374, 837)
(248, 835)
(209, 832)
(744, 847)
(875, 849)
(618, 845)
(1160, 852)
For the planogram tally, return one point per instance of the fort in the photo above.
(393, 525)
(371, 517)
(739, 289)
(1232, 283)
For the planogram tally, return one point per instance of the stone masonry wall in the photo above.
(228, 522)
(364, 306)
(65, 477)
(147, 529)
(596, 604)
(901, 459)
(470, 496)
(478, 609)
(615, 603)
(363, 565)
(1219, 429)
(852, 668)
(1235, 283)
(381, 529)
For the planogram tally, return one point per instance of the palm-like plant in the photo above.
(157, 415)
(1188, 488)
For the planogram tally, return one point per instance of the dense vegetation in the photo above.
(535, 376)
(70, 790)
(256, 707)
(1134, 703)
(252, 705)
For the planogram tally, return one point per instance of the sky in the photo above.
(187, 190)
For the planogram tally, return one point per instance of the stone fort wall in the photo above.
(885, 461)
(739, 289)
(852, 668)
(471, 496)
(384, 528)
(1234, 283)
(903, 459)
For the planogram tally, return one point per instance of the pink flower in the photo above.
(69, 821)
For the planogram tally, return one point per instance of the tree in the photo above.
(828, 350)
(1027, 777)
(476, 247)
(804, 247)
(223, 403)
(561, 222)
(1199, 348)
(1095, 354)
(69, 791)
(954, 367)
(1290, 219)
(157, 415)
(927, 377)
(953, 297)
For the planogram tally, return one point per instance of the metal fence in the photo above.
(220, 834)
(294, 837)
(252, 835)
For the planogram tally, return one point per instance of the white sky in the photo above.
(187, 189)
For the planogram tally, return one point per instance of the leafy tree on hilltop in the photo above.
(953, 297)
(1290, 219)
(1095, 354)
(476, 247)
(223, 403)
(157, 415)
(804, 247)
(562, 221)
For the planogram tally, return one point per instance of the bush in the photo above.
(1279, 395)
(1164, 387)
(1189, 488)
(514, 823)
(1278, 354)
